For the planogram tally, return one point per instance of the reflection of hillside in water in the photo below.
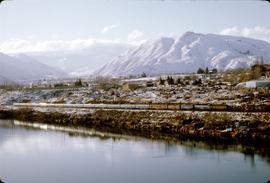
(27, 137)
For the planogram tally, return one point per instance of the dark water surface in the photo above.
(46, 156)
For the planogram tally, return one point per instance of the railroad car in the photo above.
(159, 106)
(202, 107)
(186, 106)
(216, 107)
(174, 106)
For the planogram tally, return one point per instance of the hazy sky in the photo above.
(128, 20)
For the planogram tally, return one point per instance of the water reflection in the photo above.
(31, 155)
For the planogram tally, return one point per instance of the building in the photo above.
(258, 84)
(130, 86)
(125, 87)
(150, 84)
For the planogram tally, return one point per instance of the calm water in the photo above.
(45, 156)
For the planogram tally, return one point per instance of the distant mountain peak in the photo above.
(186, 54)
(22, 68)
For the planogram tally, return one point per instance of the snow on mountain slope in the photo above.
(21, 68)
(186, 54)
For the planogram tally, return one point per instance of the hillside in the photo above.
(82, 61)
(22, 68)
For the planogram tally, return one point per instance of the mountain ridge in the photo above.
(22, 68)
(185, 54)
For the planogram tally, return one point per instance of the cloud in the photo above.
(22, 46)
(257, 32)
(135, 35)
(109, 28)
(135, 38)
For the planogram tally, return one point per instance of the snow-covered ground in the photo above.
(215, 93)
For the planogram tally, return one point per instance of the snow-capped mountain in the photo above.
(21, 68)
(187, 53)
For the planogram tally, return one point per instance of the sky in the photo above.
(38, 24)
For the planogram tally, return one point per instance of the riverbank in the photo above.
(249, 129)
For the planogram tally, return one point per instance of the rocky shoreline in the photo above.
(248, 129)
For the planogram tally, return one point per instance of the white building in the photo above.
(258, 84)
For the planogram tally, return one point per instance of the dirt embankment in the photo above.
(220, 127)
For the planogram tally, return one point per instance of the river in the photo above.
(42, 155)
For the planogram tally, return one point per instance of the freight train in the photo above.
(151, 106)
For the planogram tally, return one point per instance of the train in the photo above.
(150, 106)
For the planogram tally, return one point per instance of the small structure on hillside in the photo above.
(150, 84)
(125, 86)
(257, 84)
(130, 86)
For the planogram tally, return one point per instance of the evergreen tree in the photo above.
(170, 80)
(143, 75)
(161, 81)
(78, 83)
(206, 70)
(200, 71)
(178, 81)
(214, 71)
